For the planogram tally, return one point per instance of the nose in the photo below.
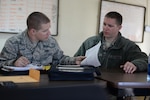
(49, 32)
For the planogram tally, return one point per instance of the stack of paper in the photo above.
(28, 67)
(70, 68)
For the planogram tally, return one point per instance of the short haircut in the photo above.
(35, 20)
(115, 15)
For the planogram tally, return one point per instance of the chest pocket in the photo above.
(114, 61)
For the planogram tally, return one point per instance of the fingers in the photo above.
(21, 62)
(129, 67)
(79, 59)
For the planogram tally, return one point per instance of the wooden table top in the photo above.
(124, 80)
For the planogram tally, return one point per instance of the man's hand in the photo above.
(21, 62)
(129, 67)
(79, 59)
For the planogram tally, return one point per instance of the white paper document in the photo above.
(92, 56)
(29, 66)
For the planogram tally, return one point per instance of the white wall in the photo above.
(79, 19)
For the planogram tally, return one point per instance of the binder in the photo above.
(71, 72)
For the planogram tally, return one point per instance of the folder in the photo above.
(34, 76)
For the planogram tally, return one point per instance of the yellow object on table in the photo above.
(34, 76)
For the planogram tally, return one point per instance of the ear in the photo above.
(32, 31)
(119, 27)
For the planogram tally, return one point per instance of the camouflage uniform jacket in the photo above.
(44, 53)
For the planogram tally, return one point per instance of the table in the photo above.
(45, 82)
(56, 90)
(121, 84)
